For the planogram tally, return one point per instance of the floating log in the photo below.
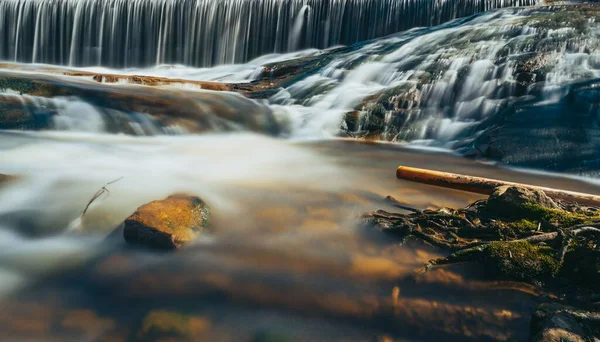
(486, 186)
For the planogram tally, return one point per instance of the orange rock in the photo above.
(168, 223)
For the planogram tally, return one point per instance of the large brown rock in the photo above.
(168, 223)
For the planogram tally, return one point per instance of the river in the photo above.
(290, 138)
(287, 256)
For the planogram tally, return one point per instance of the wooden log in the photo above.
(486, 186)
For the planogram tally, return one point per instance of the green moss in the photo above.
(526, 215)
(521, 260)
(523, 227)
(513, 230)
(556, 217)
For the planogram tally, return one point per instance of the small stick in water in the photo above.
(394, 202)
(103, 190)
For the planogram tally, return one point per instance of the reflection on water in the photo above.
(287, 258)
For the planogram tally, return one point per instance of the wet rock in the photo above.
(510, 200)
(553, 322)
(5, 178)
(13, 113)
(162, 109)
(161, 325)
(560, 328)
(168, 223)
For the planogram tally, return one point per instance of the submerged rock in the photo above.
(160, 325)
(168, 223)
(5, 178)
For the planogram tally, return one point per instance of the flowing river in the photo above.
(261, 142)
(287, 257)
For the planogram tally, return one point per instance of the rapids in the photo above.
(471, 85)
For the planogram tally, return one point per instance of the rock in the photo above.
(560, 329)
(168, 223)
(517, 196)
(172, 326)
(5, 178)
(192, 111)
(553, 323)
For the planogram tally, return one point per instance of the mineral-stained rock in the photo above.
(168, 223)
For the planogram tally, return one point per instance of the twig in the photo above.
(103, 190)
(394, 202)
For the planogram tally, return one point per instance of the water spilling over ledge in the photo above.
(123, 33)
(517, 85)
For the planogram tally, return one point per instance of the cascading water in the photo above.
(439, 85)
(134, 33)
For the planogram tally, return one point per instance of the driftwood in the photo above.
(485, 186)
(103, 190)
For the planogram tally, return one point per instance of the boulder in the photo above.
(167, 224)
(517, 196)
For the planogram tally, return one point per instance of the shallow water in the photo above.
(287, 256)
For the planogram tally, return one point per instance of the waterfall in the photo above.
(138, 33)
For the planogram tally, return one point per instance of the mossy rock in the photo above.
(169, 223)
(521, 260)
(160, 325)
(526, 206)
